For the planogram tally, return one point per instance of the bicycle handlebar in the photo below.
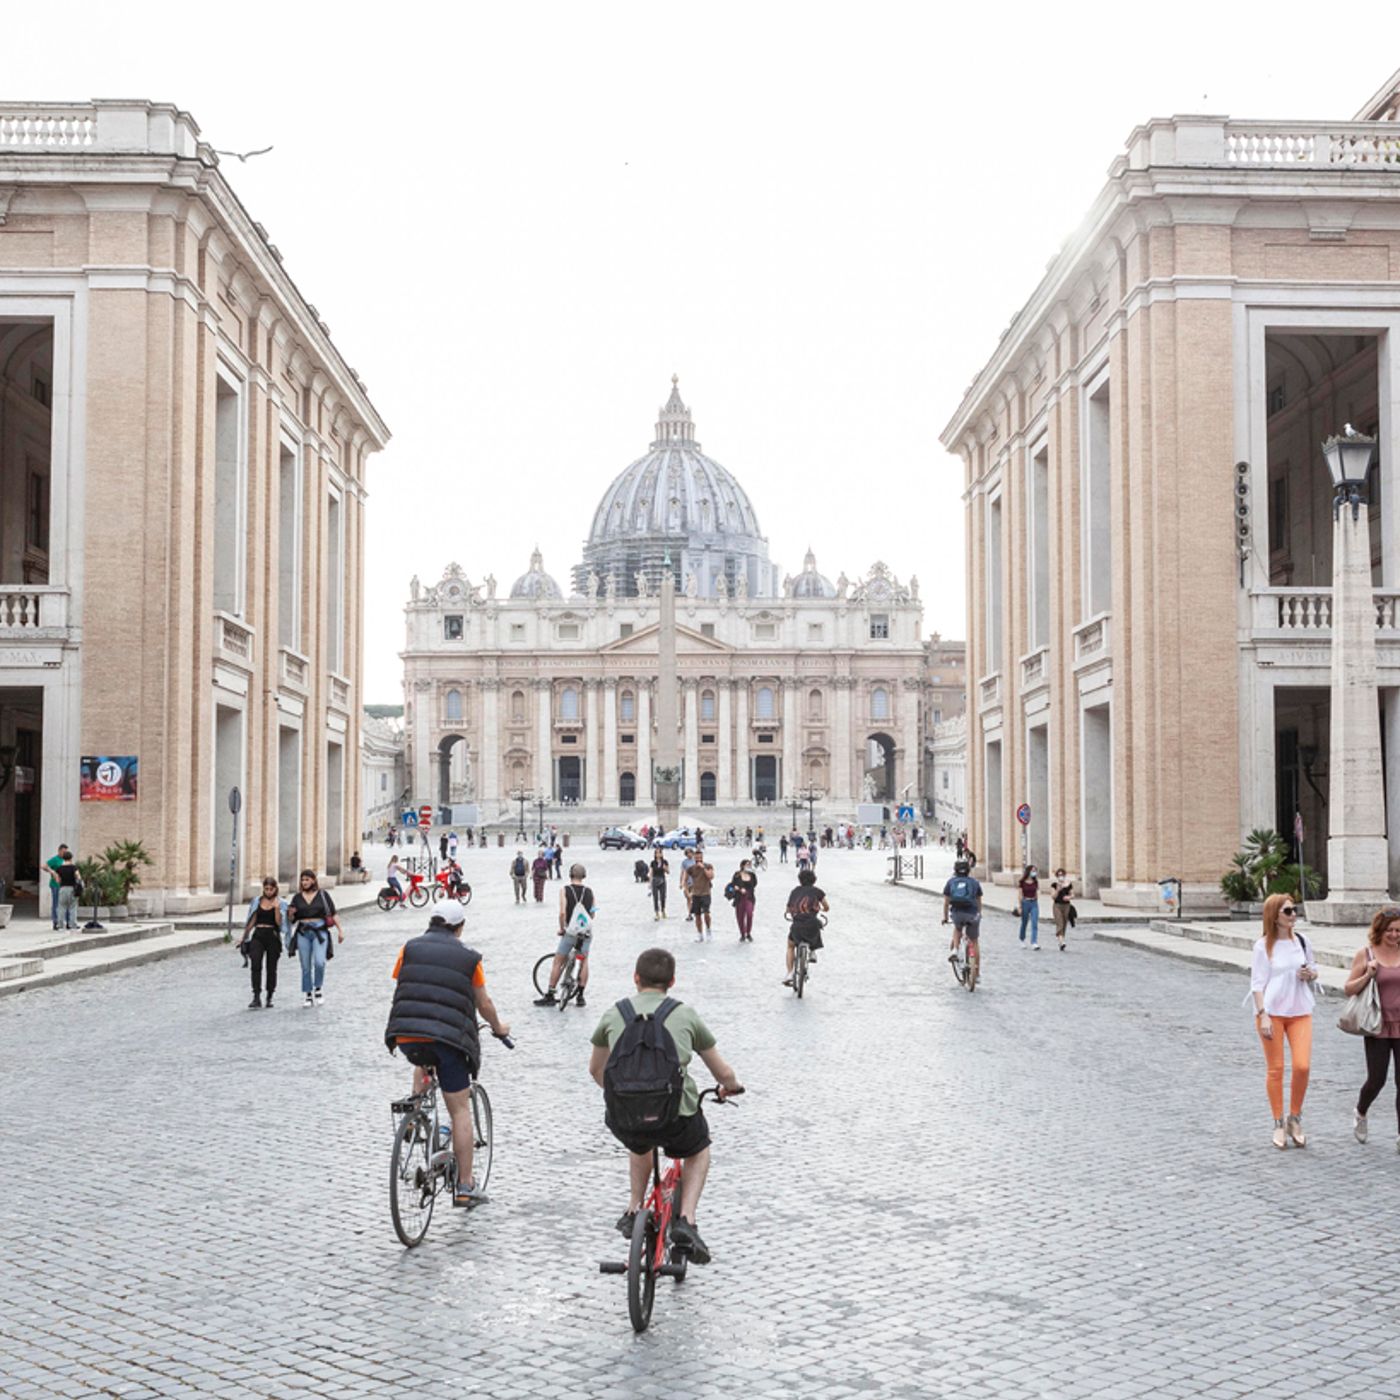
(504, 1039)
(719, 1094)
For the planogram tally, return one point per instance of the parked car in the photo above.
(617, 838)
(680, 839)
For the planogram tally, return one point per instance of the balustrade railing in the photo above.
(1307, 612)
(294, 669)
(1033, 668)
(989, 691)
(232, 638)
(31, 610)
(56, 128)
(1092, 638)
(340, 694)
(1206, 141)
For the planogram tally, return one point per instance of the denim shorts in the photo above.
(566, 945)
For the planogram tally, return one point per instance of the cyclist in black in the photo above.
(659, 870)
(805, 904)
(440, 990)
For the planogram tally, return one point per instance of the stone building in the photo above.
(946, 767)
(945, 698)
(787, 681)
(1148, 512)
(182, 486)
(383, 782)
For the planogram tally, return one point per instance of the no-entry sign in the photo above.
(425, 817)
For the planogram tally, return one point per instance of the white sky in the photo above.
(520, 219)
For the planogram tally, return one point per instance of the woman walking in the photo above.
(312, 916)
(1379, 962)
(745, 887)
(1280, 986)
(540, 873)
(263, 933)
(659, 870)
(1063, 897)
(1030, 905)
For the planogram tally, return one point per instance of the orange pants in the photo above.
(1297, 1030)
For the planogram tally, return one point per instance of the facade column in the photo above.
(725, 776)
(743, 788)
(911, 741)
(608, 792)
(489, 751)
(643, 741)
(790, 776)
(589, 790)
(544, 739)
(423, 773)
(842, 742)
(692, 744)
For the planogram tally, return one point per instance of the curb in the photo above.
(52, 976)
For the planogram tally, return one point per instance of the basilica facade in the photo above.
(789, 683)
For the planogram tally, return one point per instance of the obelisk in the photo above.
(666, 772)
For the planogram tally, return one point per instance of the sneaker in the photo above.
(787, 981)
(467, 1193)
(256, 1003)
(306, 1000)
(700, 938)
(578, 999)
(1295, 1130)
(548, 999)
(625, 1222)
(1036, 946)
(685, 1237)
(953, 957)
(1358, 1125)
(319, 995)
(1062, 947)
(1280, 1133)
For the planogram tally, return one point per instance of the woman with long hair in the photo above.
(745, 886)
(312, 916)
(1379, 962)
(263, 934)
(1280, 986)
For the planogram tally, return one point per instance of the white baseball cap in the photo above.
(450, 912)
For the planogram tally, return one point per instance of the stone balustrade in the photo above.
(294, 670)
(1092, 638)
(1033, 668)
(233, 641)
(340, 694)
(131, 127)
(34, 611)
(989, 690)
(1217, 141)
(1307, 612)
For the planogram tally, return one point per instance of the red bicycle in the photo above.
(651, 1254)
(416, 894)
(449, 884)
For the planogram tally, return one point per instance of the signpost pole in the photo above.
(235, 803)
(1023, 815)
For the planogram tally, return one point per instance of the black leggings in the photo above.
(658, 897)
(1379, 1053)
(264, 943)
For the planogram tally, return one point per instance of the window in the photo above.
(383, 782)
(625, 630)
(707, 789)
(765, 631)
(568, 631)
(568, 703)
(707, 705)
(568, 738)
(879, 627)
(452, 707)
(452, 627)
(627, 789)
(879, 703)
(945, 781)
(765, 738)
(627, 707)
(938, 716)
(288, 548)
(763, 703)
(816, 631)
(707, 738)
(36, 534)
(229, 532)
(517, 631)
(517, 707)
(627, 739)
(335, 601)
(814, 704)
(707, 629)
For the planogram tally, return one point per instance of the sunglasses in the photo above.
(1289, 910)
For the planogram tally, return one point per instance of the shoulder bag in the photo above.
(1362, 1013)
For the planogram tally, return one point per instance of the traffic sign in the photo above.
(1023, 814)
(425, 816)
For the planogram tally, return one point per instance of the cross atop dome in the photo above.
(674, 428)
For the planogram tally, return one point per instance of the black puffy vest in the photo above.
(434, 996)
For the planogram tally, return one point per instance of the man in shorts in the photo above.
(688, 1137)
(574, 894)
(804, 906)
(439, 992)
(702, 884)
(962, 901)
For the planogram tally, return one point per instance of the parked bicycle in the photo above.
(569, 985)
(651, 1253)
(448, 884)
(423, 1164)
(416, 894)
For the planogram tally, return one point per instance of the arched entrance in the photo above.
(570, 779)
(454, 770)
(707, 789)
(765, 778)
(879, 768)
(627, 789)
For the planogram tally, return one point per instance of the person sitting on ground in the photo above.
(805, 906)
(683, 1133)
(574, 898)
(439, 991)
(639, 871)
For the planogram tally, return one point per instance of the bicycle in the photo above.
(569, 985)
(650, 1253)
(802, 959)
(416, 894)
(966, 961)
(760, 858)
(423, 1164)
(444, 887)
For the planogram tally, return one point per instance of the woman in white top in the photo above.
(1280, 985)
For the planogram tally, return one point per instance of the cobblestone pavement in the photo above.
(1059, 1186)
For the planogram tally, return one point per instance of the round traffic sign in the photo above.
(1023, 814)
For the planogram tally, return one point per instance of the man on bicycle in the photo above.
(687, 1137)
(962, 899)
(805, 906)
(574, 895)
(439, 991)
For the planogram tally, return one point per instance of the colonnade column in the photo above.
(791, 754)
(643, 742)
(743, 791)
(911, 742)
(608, 792)
(423, 774)
(692, 744)
(588, 786)
(489, 754)
(725, 776)
(842, 740)
(544, 739)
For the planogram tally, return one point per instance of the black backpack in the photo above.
(519, 868)
(643, 1079)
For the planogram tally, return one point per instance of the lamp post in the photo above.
(540, 804)
(522, 797)
(1357, 855)
(809, 795)
(794, 805)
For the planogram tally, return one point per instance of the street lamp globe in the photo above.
(1349, 457)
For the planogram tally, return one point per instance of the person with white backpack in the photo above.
(576, 915)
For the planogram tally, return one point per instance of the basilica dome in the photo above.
(536, 583)
(677, 502)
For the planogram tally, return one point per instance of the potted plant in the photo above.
(99, 887)
(1262, 868)
(124, 860)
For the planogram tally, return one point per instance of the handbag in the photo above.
(1362, 1013)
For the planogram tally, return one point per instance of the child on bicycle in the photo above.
(805, 905)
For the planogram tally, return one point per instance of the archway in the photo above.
(454, 770)
(765, 778)
(627, 789)
(570, 779)
(707, 789)
(879, 768)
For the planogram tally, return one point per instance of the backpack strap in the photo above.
(667, 1006)
(625, 1010)
(1303, 944)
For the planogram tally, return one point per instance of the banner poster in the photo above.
(107, 779)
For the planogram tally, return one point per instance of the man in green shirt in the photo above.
(52, 864)
(688, 1137)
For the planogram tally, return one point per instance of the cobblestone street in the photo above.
(1059, 1186)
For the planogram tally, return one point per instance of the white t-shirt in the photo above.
(1277, 978)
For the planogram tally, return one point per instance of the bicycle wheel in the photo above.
(974, 966)
(799, 969)
(411, 1194)
(541, 973)
(957, 963)
(483, 1141)
(568, 984)
(464, 894)
(641, 1276)
(386, 902)
(418, 896)
(438, 892)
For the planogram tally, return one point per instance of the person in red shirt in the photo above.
(1030, 905)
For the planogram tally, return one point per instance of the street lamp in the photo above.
(541, 804)
(1349, 461)
(809, 795)
(522, 797)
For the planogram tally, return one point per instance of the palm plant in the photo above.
(124, 860)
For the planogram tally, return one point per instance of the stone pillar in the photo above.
(424, 773)
(643, 742)
(743, 789)
(489, 751)
(544, 739)
(725, 776)
(692, 744)
(842, 742)
(1357, 856)
(911, 742)
(608, 792)
(791, 776)
(589, 790)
